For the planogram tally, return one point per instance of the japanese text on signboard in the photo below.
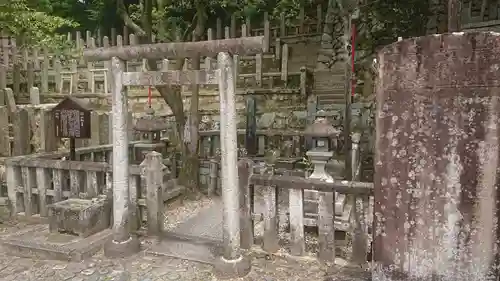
(70, 123)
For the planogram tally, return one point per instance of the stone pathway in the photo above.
(148, 268)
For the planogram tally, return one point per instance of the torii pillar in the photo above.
(437, 159)
(232, 263)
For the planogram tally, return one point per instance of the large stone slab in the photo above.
(37, 241)
(437, 168)
(187, 248)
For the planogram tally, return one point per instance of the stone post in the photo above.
(152, 169)
(232, 263)
(122, 244)
(34, 96)
(437, 164)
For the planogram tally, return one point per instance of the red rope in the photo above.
(353, 53)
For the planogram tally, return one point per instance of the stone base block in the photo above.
(115, 249)
(228, 269)
(79, 216)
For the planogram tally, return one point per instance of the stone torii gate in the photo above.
(232, 263)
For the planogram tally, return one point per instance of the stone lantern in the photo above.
(272, 156)
(324, 137)
(150, 126)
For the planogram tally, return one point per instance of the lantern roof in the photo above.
(321, 128)
(150, 123)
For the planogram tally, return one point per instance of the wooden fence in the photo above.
(35, 181)
(23, 68)
(27, 129)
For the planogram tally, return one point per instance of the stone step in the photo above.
(325, 99)
(186, 248)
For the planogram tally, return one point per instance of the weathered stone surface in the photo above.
(80, 217)
(437, 163)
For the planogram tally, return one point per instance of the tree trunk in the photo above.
(187, 140)
(190, 173)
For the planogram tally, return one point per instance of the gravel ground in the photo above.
(142, 267)
(149, 268)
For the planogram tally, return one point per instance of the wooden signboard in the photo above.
(72, 119)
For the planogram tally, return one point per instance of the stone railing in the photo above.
(271, 185)
(36, 181)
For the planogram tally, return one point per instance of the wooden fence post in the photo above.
(13, 174)
(258, 70)
(284, 64)
(4, 132)
(251, 126)
(34, 96)
(44, 74)
(267, 32)
(326, 230)
(30, 74)
(245, 171)
(271, 230)
(22, 132)
(233, 26)
(303, 81)
(3, 83)
(152, 169)
(48, 141)
(16, 78)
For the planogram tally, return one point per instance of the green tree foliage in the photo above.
(382, 22)
(20, 18)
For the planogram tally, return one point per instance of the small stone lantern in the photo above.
(324, 135)
(150, 126)
(272, 156)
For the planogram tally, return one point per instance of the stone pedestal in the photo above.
(319, 160)
(80, 217)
